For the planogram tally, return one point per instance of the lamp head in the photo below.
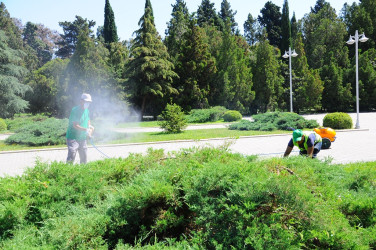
(350, 41)
(294, 54)
(285, 55)
(363, 38)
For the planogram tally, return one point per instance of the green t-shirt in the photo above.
(81, 116)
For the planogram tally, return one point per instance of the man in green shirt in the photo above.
(78, 129)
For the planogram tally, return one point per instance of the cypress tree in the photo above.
(285, 28)
(150, 72)
(109, 28)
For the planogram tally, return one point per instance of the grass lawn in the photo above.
(159, 136)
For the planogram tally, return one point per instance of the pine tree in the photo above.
(285, 28)
(251, 30)
(38, 47)
(206, 14)
(12, 73)
(176, 28)
(270, 18)
(228, 15)
(109, 28)
(70, 37)
(150, 71)
(13, 33)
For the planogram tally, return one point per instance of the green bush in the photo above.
(47, 132)
(20, 120)
(3, 125)
(206, 115)
(338, 120)
(173, 120)
(232, 115)
(203, 198)
(275, 120)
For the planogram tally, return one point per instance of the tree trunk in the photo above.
(143, 107)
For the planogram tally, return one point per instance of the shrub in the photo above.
(48, 132)
(338, 120)
(20, 120)
(173, 119)
(206, 115)
(203, 198)
(232, 115)
(3, 125)
(275, 120)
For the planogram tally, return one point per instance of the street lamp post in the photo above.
(289, 55)
(352, 40)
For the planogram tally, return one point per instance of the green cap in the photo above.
(297, 135)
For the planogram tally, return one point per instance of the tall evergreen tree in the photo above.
(228, 15)
(270, 18)
(109, 27)
(38, 47)
(267, 81)
(196, 69)
(367, 80)
(235, 74)
(318, 6)
(251, 30)
(307, 85)
(177, 27)
(70, 37)
(13, 33)
(150, 71)
(87, 71)
(285, 28)
(12, 73)
(294, 28)
(206, 14)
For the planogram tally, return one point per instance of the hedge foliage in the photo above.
(206, 115)
(47, 132)
(338, 120)
(273, 121)
(20, 120)
(173, 119)
(196, 198)
(3, 125)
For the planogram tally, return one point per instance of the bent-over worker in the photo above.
(309, 143)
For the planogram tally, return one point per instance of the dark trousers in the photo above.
(316, 150)
(73, 147)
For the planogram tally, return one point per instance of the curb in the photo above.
(166, 142)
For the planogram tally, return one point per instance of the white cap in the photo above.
(86, 97)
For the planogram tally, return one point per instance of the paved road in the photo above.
(350, 146)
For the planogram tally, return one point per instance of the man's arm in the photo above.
(310, 152)
(288, 151)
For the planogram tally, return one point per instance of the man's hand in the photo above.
(288, 151)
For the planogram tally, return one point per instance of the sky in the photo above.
(128, 12)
